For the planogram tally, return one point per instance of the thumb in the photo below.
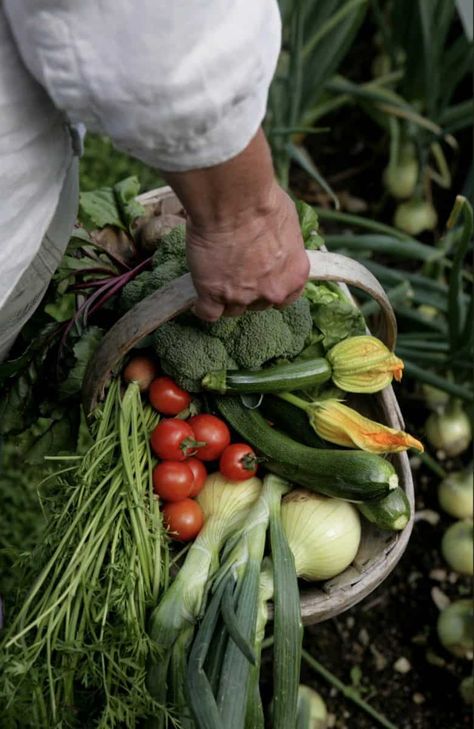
(207, 309)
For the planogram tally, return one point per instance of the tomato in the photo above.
(142, 370)
(200, 474)
(184, 519)
(238, 462)
(173, 480)
(212, 431)
(173, 440)
(167, 397)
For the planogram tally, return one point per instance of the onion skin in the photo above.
(456, 628)
(415, 216)
(457, 546)
(323, 533)
(456, 494)
(142, 370)
(449, 432)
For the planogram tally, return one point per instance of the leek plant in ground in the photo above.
(81, 630)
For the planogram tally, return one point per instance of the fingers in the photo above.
(207, 309)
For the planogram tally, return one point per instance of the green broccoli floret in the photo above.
(260, 336)
(299, 319)
(224, 328)
(164, 273)
(135, 290)
(172, 247)
(187, 354)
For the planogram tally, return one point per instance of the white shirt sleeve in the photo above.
(180, 84)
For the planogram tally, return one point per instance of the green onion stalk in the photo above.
(77, 649)
(225, 506)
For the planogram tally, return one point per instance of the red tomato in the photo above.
(213, 432)
(142, 370)
(200, 474)
(167, 397)
(183, 519)
(238, 462)
(173, 440)
(173, 480)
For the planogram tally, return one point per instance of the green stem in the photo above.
(348, 691)
(294, 400)
(432, 464)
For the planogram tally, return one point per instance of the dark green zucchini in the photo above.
(392, 512)
(291, 420)
(351, 475)
(277, 378)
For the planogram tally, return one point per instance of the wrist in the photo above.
(225, 197)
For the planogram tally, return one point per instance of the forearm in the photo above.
(223, 197)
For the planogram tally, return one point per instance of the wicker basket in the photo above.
(379, 551)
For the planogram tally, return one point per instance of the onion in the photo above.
(400, 178)
(415, 216)
(312, 707)
(457, 546)
(323, 533)
(142, 370)
(466, 689)
(456, 494)
(449, 432)
(456, 628)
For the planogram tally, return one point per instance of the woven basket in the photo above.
(379, 551)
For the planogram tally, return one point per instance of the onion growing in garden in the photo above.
(323, 533)
(456, 628)
(456, 494)
(457, 546)
(312, 712)
(449, 432)
(415, 216)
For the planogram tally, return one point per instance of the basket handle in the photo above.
(178, 296)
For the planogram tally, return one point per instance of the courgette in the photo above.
(392, 512)
(291, 420)
(344, 474)
(283, 377)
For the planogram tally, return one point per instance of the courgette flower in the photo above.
(363, 364)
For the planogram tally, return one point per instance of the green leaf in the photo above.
(309, 225)
(100, 206)
(338, 320)
(55, 436)
(125, 193)
(83, 350)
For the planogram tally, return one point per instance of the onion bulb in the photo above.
(456, 628)
(415, 216)
(456, 494)
(400, 178)
(450, 431)
(457, 546)
(323, 533)
(466, 689)
(142, 370)
(311, 706)
(435, 399)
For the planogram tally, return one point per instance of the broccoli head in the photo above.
(172, 247)
(298, 317)
(135, 290)
(164, 273)
(187, 353)
(259, 337)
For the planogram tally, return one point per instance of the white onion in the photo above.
(308, 698)
(457, 546)
(456, 494)
(456, 628)
(323, 533)
(449, 432)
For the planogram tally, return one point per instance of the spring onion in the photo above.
(456, 492)
(323, 533)
(457, 547)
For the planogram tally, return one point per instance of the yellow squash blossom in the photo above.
(363, 364)
(340, 424)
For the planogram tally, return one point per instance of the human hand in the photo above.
(252, 261)
(245, 248)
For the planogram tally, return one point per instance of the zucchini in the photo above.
(291, 420)
(283, 377)
(344, 474)
(392, 512)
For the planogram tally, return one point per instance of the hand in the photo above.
(252, 261)
(245, 249)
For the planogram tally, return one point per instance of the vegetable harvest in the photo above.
(195, 506)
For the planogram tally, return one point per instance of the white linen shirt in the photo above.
(179, 84)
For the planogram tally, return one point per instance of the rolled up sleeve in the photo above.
(179, 85)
